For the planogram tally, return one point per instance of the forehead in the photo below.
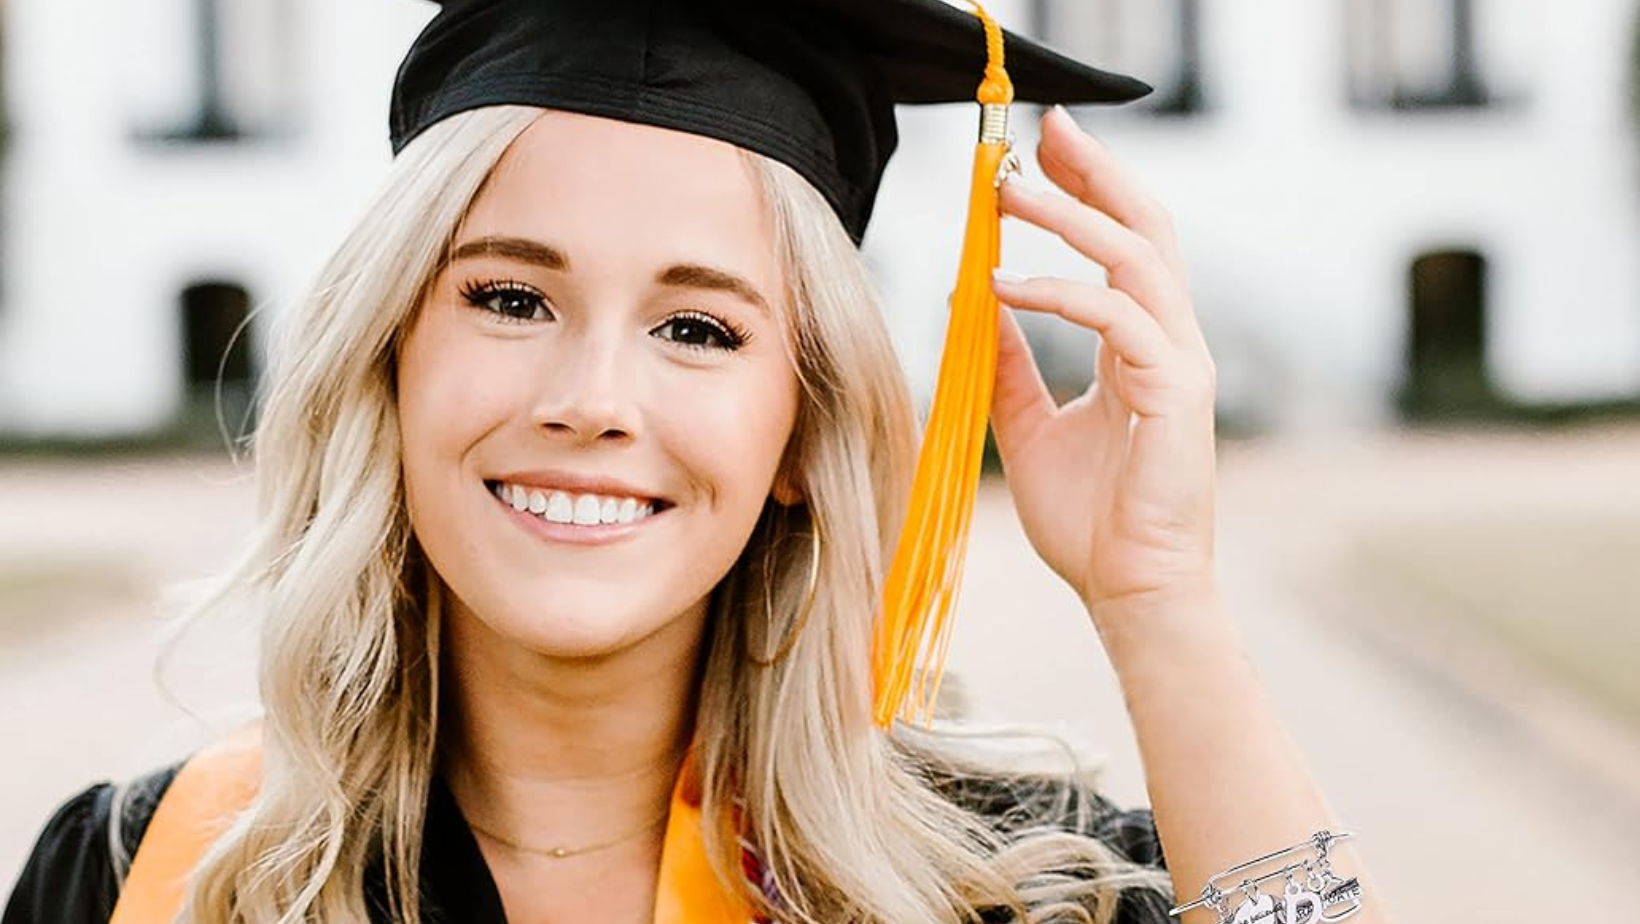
(614, 195)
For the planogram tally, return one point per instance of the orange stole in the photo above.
(219, 782)
(209, 790)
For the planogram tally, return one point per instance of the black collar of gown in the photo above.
(457, 888)
(456, 885)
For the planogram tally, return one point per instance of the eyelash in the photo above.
(480, 295)
(730, 336)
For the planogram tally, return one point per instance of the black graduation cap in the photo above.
(811, 83)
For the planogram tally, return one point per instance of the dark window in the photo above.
(219, 361)
(214, 315)
(1158, 41)
(209, 70)
(1446, 373)
(1413, 54)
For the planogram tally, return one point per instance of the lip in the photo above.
(569, 533)
(571, 483)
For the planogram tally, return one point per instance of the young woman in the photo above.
(579, 480)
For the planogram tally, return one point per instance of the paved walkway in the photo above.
(1459, 766)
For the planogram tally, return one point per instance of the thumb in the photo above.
(1020, 402)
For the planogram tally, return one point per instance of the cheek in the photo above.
(419, 407)
(740, 435)
(444, 405)
(450, 391)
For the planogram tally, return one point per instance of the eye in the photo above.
(701, 331)
(512, 301)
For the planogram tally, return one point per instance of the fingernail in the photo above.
(1005, 277)
(1066, 115)
(1019, 183)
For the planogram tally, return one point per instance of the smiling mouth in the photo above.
(576, 509)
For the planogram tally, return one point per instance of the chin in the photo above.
(576, 625)
(576, 639)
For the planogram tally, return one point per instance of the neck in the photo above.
(545, 753)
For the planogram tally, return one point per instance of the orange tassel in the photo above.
(914, 632)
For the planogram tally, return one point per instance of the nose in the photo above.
(588, 390)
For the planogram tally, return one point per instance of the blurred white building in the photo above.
(1434, 199)
(1428, 200)
(173, 167)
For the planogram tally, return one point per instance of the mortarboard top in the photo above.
(810, 83)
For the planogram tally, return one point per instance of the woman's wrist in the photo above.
(1172, 624)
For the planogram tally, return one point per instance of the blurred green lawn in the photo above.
(1564, 592)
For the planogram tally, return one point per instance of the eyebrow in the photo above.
(678, 276)
(695, 276)
(521, 249)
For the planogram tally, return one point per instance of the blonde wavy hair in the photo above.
(854, 825)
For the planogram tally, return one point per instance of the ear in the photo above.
(786, 490)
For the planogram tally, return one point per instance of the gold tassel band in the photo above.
(993, 123)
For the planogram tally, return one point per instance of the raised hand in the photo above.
(1115, 489)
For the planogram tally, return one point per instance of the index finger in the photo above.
(1082, 166)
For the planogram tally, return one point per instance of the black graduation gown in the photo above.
(69, 878)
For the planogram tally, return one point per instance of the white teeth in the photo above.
(560, 509)
(579, 509)
(587, 510)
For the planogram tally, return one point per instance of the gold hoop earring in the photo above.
(796, 630)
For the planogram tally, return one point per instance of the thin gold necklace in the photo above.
(559, 853)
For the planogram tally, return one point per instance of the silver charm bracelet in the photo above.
(1320, 897)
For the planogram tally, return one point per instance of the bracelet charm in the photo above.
(1346, 893)
(1301, 905)
(1323, 897)
(1257, 909)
